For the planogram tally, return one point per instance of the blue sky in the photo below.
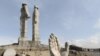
(74, 21)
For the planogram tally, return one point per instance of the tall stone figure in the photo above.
(23, 24)
(54, 47)
(35, 26)
(66, 51)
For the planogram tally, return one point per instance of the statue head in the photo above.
(24, 11)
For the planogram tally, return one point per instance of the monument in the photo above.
(33, 47)
(24, 46)
(35, 26)
(23, 25)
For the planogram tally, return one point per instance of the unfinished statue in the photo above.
(54, 47)
(9, 52)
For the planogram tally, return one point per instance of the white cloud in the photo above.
(89, 42)
(97, 25)
(5, 40)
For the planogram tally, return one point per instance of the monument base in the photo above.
(23, 41)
